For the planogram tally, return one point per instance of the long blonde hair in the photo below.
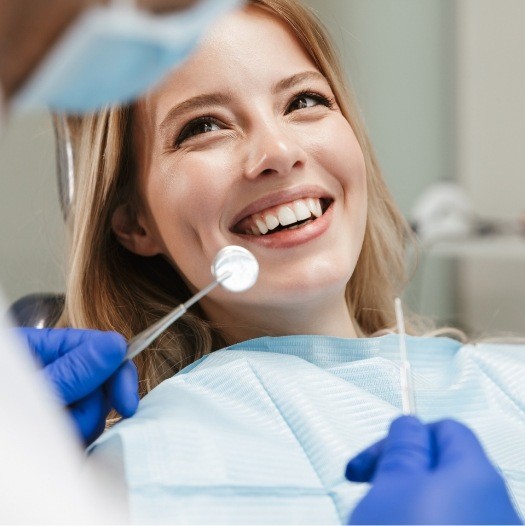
(110, 288)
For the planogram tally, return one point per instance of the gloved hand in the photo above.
(84, 368)
(429, 474)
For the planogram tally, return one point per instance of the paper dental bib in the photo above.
(260, 433)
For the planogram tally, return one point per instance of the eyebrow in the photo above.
(194, 103)
(290, 82)
(200, 102)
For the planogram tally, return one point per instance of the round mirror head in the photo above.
(240, 263)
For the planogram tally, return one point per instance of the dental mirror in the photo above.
(235, 268)
(241, 265)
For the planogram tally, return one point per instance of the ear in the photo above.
(131, 234)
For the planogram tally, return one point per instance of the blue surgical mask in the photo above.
(113, 54)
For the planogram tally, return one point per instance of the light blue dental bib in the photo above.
(260, 432)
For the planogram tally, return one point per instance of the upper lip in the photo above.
(278, 198)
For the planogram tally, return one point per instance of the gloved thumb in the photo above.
(456, 443)
(362, 467)
(408, 448)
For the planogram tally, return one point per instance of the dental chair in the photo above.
(42, 310)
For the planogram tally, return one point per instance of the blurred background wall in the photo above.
(32, 232)
(440, 86)
(491, 163)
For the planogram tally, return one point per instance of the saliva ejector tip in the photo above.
(240, 264)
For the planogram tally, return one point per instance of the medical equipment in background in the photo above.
(64, 163)
(234, 267)
(407, 387)
(444, 212)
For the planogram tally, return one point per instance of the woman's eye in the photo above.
(197, 127)
(307, 100)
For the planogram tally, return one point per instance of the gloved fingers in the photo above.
(122, 389)
(87, 366)
(460, 453)
(40, 342)
(407, 448)
(362, 467)
(455, 441)
(89, 415)
(50, 344)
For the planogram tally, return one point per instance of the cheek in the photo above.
(339, 152)
(344, 160)
(186, 196)
(198, 176)
(350, 154)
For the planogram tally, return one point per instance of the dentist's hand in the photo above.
(84, 369)
(429, 474)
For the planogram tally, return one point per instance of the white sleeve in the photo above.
(42, 475)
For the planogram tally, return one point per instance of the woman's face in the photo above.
(245, 136)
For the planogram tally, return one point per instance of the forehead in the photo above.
(246, 50)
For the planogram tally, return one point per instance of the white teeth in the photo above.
(261, 225)
(301, 210)
(286, 216)
(315, 206)
(271, 221)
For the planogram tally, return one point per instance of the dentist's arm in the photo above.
(84, 368)
(429, 474)
(29, 28)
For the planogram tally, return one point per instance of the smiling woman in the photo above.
(255, 141)
(253, 145)
(273, 158)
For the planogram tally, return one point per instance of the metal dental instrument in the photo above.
(407, 388)
(234, 268)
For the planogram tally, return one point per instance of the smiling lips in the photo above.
(285, 216)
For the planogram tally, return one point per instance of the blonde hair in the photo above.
(110, 288)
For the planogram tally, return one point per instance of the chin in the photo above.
(298, 292)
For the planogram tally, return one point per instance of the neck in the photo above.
(329, 318)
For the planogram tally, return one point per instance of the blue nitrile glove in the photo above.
(84, 368)
(429, 474)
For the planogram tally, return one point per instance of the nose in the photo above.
(273, 151)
